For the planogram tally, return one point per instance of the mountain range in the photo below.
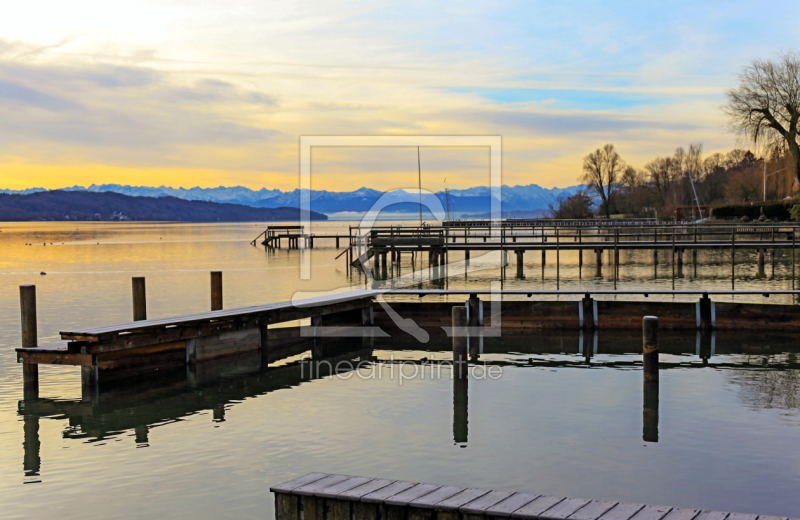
(83, 205)
(532, 199)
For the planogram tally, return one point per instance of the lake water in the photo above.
(560, 420)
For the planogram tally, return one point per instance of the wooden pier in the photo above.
(129, 350)
(324, 496)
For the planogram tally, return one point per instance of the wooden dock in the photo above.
(130, 350)
(324, 496)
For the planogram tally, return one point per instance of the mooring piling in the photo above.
(460, 342)
(216, 290)
(27, 303)
(139, 299)
(650, 347)
(650, 379)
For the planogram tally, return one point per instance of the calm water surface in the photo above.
(560, 420)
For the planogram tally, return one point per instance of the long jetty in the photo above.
(132, 349)
(387, 244)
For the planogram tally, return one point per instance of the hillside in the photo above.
(83, 205)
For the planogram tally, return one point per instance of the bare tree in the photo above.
(578, 206)
(661, 171)
(744, 184)
(765, 108)
(601, 171)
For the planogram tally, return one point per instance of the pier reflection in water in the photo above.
(219, 384)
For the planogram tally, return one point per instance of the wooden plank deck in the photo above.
(96, 333)
(416, 498)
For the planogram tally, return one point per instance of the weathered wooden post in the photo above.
(587, 313)
(139, 299)
(650, 347)
(706, 323)
(460, 342)
(520, 264)
(474, 304)
(216, 290)
(650, 379)
(761, 273)
(27, 304)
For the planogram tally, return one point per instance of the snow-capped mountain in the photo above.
(472, 200)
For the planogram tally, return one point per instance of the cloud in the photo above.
(21, 95)
(113, 110)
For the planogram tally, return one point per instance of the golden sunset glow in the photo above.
(179, 94)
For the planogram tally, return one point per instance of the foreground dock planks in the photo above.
(323, 496)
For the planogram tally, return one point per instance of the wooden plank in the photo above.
(56, 346)
(55, 358)
(510, 504)
(537, 507)
(308, 303)
(357, 492)
(767, 517)
(289, 485)
(656, 513)
(712, 515)
(335, 490)
(339, 510)
(312, 488)
(593, 510)
(460, 499)
(364, 511)
(741, 516)
(433, 498)
(624, 511)
(564, 509)
(682, 514)
(478, 506)
(311, 507)
(286, 507)
(407, 495)
(392, 489)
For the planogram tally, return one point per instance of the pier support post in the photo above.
(650, 379)
(587, 312)
(89, 381)
(761, 262)
(139, 299)
(474, 304)
(650, 348)
(30, 339)
(460, 342)
(520, 264)
(30, 371)
(705, 313)
(263, 342)
(216, 290)
(598, 263)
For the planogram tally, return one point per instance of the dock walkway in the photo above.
(345, 497)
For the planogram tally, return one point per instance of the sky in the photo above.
(198, 93)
